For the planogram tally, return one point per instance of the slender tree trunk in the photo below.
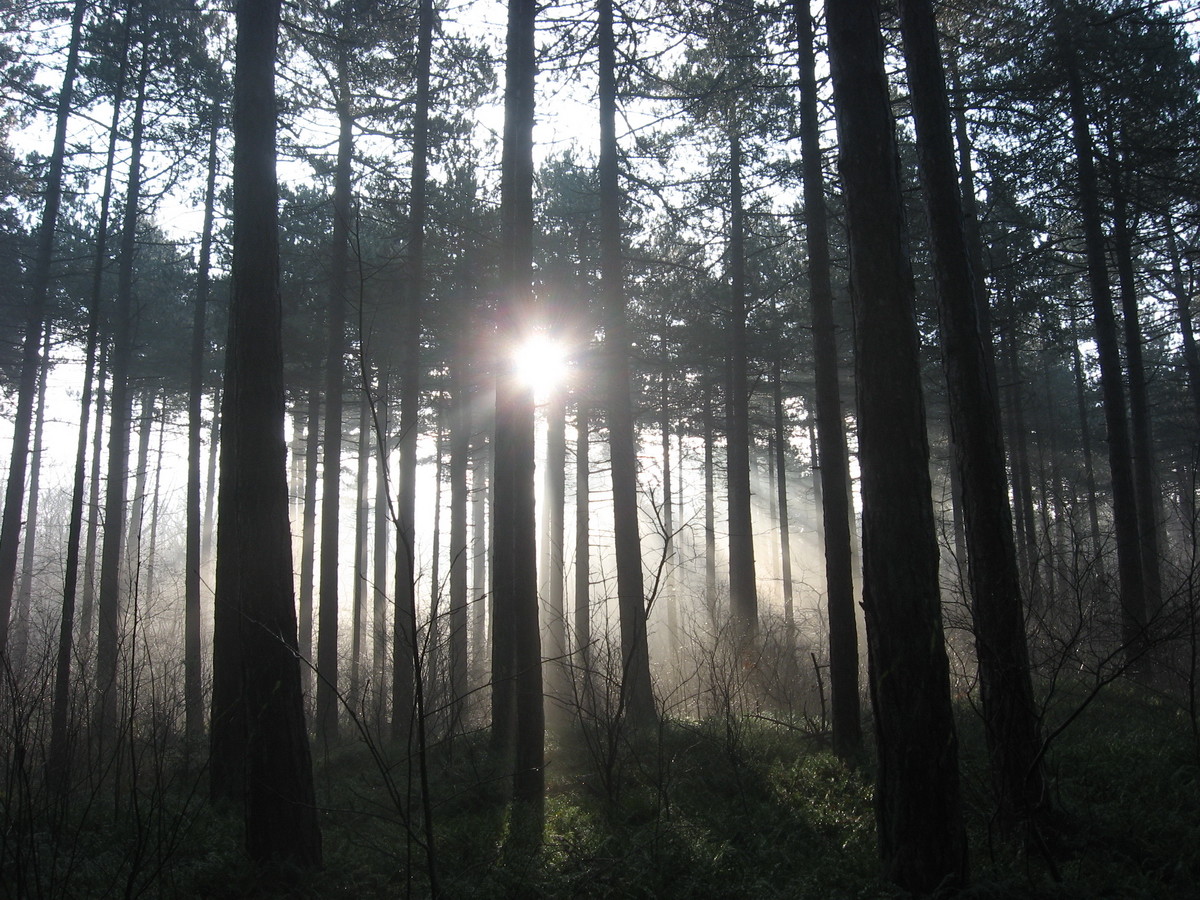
(155, 505)
(834, 477)
(405, 657)
(433, 642)
(259, 740)
(361, 551)
(785, 536)
(460, 451)
(208, 531)
(1146, 484)
(59, 759)
(112, 546)
(555, 498)
(193, 676)
(335, 369)
(1022, 480)
(1125, 514)
(514, 531)
(668, 515)
(636, 691)
(918, 804)
(308, 537)
(14, 497)
(20, 627)
(383, 530)
(141, 475)
(1085, 443)
(480, 594)
(583, 547)
(1187, 333)
(87, 614)
(743, 590)
(1010, 714)
(710, 509)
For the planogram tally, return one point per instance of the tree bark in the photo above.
(1146, 485)
(583, 548)
(781, 493)
(922, 841)
(328, 699)
(259, 740)
(193, 678)
(514, 531)
(1009, 712)
(1125, 514)
(460, 451)
(308, 537)
(405, 656)
(637, 694)
(743, 590)
(112, 545)
(834, 477)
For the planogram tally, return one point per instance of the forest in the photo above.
(624, 448)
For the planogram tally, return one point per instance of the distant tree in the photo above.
(14, 497)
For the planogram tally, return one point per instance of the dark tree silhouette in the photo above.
(259, 740)
(922, 841)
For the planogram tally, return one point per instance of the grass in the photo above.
(701, 810)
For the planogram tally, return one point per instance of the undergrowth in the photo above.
(698, 810)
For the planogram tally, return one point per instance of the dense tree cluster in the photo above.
(855, 307)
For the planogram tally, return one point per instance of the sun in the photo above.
(541, 363)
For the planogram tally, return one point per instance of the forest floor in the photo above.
(728, 808)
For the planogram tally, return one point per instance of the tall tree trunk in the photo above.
(14, 497)
(834, 476)
(308, 539)
(405, 657)
(743, 590)
(1010, 715)
(710, 508)
(19, 645)
(514, 552)
(112, 545)
(1187, 333)
(918, 804)
(362, 521)
(1146, 483)
(259, 740)
(58, 762)
(134, 552)
(460, 451)
(1022, 479)
(781, 492)
(1125, 514)
(636, 692)
(87, 613)
(555, 498)
(583, 547)
(193, 677)
(433, 639)
(155, 505)
(335, 369)
(383, 530)
(667, 587)
(1085, 443)
(480, 593)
